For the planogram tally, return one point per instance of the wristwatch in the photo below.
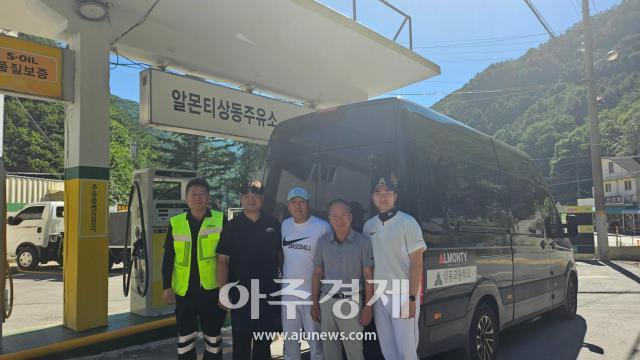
(412, 298)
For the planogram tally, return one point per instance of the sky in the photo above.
(462, 36)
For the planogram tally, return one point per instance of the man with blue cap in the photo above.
(300, 235)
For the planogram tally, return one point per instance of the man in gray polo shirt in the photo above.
(344, 256)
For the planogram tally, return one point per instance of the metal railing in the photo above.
(407, 19)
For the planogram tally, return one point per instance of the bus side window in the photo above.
(427, 179)
(430, 211)
(477, 196)
(552, 223)
(526, 208)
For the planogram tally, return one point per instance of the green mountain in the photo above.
(34, 143)
(540, 105)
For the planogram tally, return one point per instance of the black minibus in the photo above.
(497, 252)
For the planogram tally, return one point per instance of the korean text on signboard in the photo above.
(182, 104)
(30, 68)
(93, 208)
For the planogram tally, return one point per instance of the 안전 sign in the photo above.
(178, 103)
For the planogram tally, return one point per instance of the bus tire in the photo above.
(483, 334)
(569, 308)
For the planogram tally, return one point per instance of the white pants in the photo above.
(398, 337)
(302, 322)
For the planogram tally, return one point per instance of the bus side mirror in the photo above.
(10, 220)
(572, 226)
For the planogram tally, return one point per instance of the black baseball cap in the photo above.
(252, 187)
(384, 181)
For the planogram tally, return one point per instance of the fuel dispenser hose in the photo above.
(7, 307)
(138, 248)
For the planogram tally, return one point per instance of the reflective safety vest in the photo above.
(208, 238)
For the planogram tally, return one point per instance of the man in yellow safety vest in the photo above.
(189, 273)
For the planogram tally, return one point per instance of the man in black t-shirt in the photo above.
(250, 248)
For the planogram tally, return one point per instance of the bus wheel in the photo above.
(483, 334)
(570, 307)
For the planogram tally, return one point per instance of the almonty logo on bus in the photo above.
(458, 257)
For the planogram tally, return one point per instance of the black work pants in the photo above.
(243, 349)
(199, 306)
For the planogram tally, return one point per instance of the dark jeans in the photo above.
(243, 350)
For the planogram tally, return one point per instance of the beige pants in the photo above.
(333, 325)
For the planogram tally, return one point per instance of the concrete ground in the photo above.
(607, 325)
(38, 294)
(38, 298)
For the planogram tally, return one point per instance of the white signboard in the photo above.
(439, 278)
(178, 103)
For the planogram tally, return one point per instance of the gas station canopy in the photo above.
(297, 49)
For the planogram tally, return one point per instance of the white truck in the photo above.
(35, 235)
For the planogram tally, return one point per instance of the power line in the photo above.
(138, 23)
(53, 146)
(478, 44)
(477, 60)
(570, 182)
(541, 19)
(132, 66)
(446, 81)
(576, 7)
(564, 157)
(498, 96)
(480, 91)
(476, 52)
(132, 63)
(498, 38)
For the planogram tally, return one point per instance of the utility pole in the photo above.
(596, 162)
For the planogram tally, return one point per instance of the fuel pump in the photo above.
(156, 195)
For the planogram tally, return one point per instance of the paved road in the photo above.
(607, 325)
(38, 298)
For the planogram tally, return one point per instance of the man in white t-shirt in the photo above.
(398, 247)
(300, 235)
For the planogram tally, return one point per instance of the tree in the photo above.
(27, 149)
(214, 158)
(120, 164)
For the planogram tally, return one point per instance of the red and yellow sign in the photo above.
(30, 68)
(579, 209)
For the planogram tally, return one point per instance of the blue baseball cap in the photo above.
(298, 192)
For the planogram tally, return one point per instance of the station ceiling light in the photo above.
(93, 10)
